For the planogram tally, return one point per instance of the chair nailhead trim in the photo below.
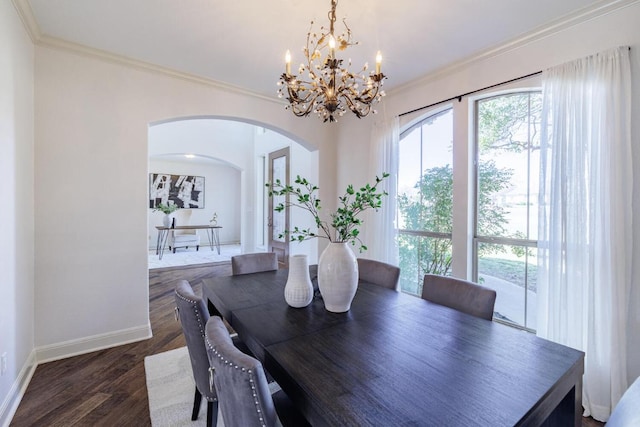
(250, 376)
(194, 306)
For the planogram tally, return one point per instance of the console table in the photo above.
(213, 233)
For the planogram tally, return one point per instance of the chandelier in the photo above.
(323, 85)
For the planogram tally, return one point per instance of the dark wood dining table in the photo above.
(395, 359)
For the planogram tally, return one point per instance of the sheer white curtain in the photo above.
(383, 157)
(584, 255)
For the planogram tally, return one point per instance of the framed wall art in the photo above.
(186, 191)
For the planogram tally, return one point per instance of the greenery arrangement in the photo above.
(166, 209)
(344, 221)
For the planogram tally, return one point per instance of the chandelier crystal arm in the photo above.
(331, 89)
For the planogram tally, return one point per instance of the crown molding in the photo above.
(560, 24)
(56, 43)
(23, 7)
(25, 12)
(28, 19)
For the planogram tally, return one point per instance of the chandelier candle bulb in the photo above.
(332, 46)
(378, 62)
(287, 60)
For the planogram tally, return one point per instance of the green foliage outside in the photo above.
(509, 270)
(505, 123)
(434, 212)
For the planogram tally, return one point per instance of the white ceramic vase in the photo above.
(337, 277)
(298, 291)
(166, 220)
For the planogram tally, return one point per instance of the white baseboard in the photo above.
(94, 343)
(62, 351)
(10, 404)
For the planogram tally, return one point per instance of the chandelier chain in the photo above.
(332, 15)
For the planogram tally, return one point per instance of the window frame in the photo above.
(476, 240)
(418, 123)
(464, 163)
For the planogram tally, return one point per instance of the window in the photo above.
(488, 231)
(506, 211)
(425, 188)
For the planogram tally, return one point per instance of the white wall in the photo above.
(221, 195)
(92, 120)
(16, 215)
(614, 29)
(230, 142)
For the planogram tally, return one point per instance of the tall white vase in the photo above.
(337, 277)
(298, 291)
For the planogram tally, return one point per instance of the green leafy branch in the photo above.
(166, 209)
(344, 221)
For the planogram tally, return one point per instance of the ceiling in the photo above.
(242, 43)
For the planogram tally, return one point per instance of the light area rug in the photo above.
(190, 256)
(171, 387)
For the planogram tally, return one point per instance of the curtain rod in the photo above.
(459, 97)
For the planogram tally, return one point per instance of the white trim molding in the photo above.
(25, 12)
(567, 21)
(62, 351)
(23, 7)
(90, 344)
(14, 397)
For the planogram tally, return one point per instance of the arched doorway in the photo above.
(231, 156)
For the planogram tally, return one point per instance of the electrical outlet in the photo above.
(3, 363)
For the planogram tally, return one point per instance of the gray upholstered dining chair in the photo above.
(379, 273)
(254, 263)
(460, 295)
(627, 411)
(192, 312)
(241, 385)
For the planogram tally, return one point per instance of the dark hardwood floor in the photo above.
(107, 387)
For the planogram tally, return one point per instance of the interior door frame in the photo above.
(280, 248)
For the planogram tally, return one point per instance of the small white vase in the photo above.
(337, 277)
(298, 292)
(166, 220)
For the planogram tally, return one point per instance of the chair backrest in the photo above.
(379, 273)
(627, 411)
(183, 217)
(460, 295)
(243, 392)
(254, 263)
(193, 315)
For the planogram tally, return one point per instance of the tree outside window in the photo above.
(508, 137)
(506, 197)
